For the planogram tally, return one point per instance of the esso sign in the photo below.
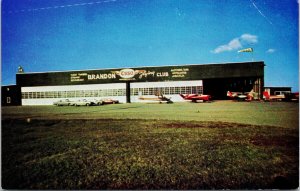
(127, 73)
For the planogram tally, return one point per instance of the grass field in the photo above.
(219, 145)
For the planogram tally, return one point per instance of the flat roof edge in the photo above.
(142, 67)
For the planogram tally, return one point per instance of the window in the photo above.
(194, 90)
(109, 92)
(281, 92)
(199, 89)
(151, 91)
(100, 93)
(113, 92)
(121, 92)
(80, 93)
(167, 90)
(140, 90)
(133, 91)
(172, 90)
(49, 94)
(37, 94)
(71, 94)
(189, 90)
(42, 94)
(146, 91)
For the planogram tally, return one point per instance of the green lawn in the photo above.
(283, 114)
(219, 145)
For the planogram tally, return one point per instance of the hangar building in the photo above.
(127, 84)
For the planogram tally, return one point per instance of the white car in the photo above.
(83, 102)
(63, 102)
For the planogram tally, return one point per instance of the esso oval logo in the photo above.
(127, 73)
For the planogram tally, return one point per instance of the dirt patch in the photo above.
(205, 124)
(274, 141)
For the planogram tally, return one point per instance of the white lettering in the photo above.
(101, 76)
(162, 74)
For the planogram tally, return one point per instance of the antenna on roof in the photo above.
(20, 69)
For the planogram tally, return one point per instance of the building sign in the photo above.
(115, 75)
(126, 73)
(101, 76)
(77, 77)
(143, 74)
(131, 75)
(179, 72)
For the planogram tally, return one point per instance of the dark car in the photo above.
(106, 101)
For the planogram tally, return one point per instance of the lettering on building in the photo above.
(101, 76)
(78, 77)
(179, 72)
(162, 74)
(129, 74)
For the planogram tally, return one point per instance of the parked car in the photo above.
(63, 102)
(108, 101)
(97, 102)
(83, 102)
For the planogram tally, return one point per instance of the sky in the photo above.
(59, 35)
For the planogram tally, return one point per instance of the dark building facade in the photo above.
(10, 95)
(278, 90)
(127, 84)
(144, 74)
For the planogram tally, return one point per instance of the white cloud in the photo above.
(271, 50)
(248, 38)
(236, 43)
(232, 45)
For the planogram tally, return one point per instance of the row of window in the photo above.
(113, 92)
(167, 90)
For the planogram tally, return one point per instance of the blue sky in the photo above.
(55, 35)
